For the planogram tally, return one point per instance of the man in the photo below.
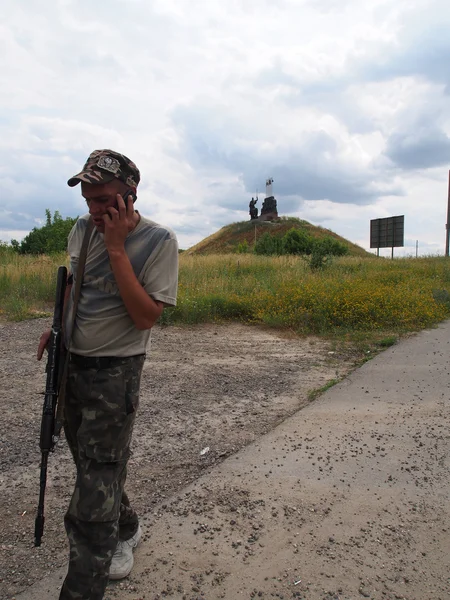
(130, 274)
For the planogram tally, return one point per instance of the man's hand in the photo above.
(118, 224)
(43, 343)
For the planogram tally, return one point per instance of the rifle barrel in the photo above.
(47, 441)
(40, 518)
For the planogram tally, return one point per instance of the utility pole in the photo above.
(447, 226)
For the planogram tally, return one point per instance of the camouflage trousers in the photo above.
(102, 398)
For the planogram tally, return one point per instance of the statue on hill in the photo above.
(269, 208)
(252, 208)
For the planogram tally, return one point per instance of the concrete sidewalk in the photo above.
(349, 498)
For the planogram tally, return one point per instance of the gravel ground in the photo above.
(207, 391)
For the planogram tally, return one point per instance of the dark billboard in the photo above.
(388, 232)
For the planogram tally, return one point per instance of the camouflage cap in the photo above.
(103, 166)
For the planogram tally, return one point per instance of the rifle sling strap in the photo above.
(76, 296)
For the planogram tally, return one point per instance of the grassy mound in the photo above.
(228, 239)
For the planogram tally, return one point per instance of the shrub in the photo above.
(297, 242)
(331, 247)
(268, 244)
(319, 259)
(49, 239)
(242, 247)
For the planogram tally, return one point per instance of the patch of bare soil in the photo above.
(206, 392)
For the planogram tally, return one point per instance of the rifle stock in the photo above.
(53, 369)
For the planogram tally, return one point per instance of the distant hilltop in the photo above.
(228, 239)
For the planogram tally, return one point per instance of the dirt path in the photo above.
(348, 498)
(207, 392)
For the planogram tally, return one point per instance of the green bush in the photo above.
(319, 259)
(297, 242)
(269, 245)
(6, 250)
(242, 247)
(49, 239)
(331, 247)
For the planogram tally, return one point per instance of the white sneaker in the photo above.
(122, 561)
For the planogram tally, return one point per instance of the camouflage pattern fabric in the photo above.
(102, 166)
(100, 410)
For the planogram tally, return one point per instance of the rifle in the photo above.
(53, 369)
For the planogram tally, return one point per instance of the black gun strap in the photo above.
(76, 296)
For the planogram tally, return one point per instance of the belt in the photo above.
(100, 362)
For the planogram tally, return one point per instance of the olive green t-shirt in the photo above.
(103, 326)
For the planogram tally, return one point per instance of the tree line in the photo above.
(49, 239)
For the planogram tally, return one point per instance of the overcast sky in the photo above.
(345, 103)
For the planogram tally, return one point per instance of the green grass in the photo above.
(313, 394)
(371, 300)
(388, 341)
(351, 294)
(27, 285)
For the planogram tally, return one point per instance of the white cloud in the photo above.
(344, 103)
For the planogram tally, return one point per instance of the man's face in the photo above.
(99, 198)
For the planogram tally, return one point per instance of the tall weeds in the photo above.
(27, 284)
(349, 294)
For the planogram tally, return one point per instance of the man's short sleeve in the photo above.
(160, 277)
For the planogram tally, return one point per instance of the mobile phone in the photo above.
(128, 193)
(125, 196)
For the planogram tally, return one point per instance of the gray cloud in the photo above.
(421, 149)
(421, 52)
(30, 183)
(311, 169)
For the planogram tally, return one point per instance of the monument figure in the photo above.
(269, 208)
(252, 208)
